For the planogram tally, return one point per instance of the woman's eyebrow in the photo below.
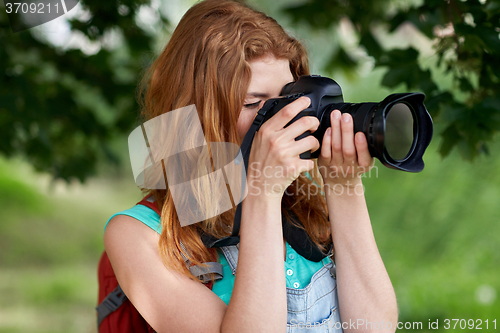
(258, 95)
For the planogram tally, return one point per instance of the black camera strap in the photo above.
(245, 148)
(296, 236)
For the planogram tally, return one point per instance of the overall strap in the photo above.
(231, 253)
(203, 272)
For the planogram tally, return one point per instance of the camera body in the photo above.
(398, 129)
(322, 91)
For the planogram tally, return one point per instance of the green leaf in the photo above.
(341, 60)
(371, 45)
(450, 138)
(435, 103)
(465, 84)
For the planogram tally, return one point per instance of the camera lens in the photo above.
(399, 131)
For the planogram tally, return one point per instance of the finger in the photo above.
(336, 138)
(300, 126)
(283, 117)
(303, 145)
(348, 148)
(326, 146)
(364, 156)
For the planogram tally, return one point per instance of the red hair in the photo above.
(206, 63)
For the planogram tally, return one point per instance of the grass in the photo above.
(439, 236)
(50, 243)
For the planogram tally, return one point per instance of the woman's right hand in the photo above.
(274, 159)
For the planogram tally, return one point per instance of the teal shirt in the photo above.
(298, 270)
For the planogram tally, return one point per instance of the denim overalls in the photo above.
(312, 309)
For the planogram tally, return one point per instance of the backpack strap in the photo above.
(112, 302)
(150, 202)
(202, 272)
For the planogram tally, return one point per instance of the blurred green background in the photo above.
(437, 230)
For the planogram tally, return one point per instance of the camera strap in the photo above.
(296, 236)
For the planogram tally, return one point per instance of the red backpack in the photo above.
(115, 312)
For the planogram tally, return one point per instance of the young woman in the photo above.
(227, 60)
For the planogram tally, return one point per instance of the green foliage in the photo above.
(465, 35)
(61, 108)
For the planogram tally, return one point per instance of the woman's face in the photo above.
(269, 75)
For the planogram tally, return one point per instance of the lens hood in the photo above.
(422, 132)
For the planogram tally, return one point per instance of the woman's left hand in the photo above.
(363, 286)
(344, 156)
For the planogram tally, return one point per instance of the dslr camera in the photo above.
(398, 129)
